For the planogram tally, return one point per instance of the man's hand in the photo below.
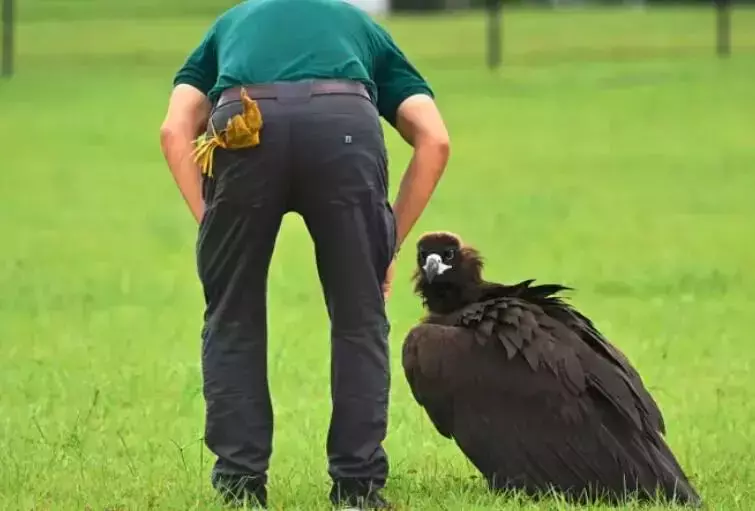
(188, 112)
(419, 122)
(388, 283)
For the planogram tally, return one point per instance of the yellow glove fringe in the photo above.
(242, 130)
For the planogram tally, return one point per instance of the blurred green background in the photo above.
(612, 151)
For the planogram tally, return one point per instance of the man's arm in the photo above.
(420, 124)
(406, 101)
(188, 112)
(187, 116)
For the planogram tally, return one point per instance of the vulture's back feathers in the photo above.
(547, 330)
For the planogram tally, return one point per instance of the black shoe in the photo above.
(237, 490)
(357, 496)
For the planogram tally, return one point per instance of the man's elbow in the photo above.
(437, 143)
(167, 135)
(172, 135)
(442, 144)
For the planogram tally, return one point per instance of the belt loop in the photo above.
(294, 92)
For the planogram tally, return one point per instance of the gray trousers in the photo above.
(322, 156)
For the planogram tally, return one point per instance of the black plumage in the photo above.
(531, 392)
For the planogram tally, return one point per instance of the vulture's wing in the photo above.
(580, 324)
(526, 329)
(545, 296)
(429, 355)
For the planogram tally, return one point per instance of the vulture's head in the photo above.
(445, 266)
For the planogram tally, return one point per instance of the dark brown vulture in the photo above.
(531, 392)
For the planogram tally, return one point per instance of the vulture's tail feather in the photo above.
(675, 483)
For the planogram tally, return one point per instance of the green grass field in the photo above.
(613, 153)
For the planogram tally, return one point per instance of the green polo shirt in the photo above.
(263, 41)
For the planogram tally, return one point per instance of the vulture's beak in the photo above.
(433, 267)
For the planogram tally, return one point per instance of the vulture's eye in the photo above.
(449, 254)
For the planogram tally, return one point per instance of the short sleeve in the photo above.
(200, 69)
(396, 79)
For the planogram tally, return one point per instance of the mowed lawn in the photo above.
(613, 153)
